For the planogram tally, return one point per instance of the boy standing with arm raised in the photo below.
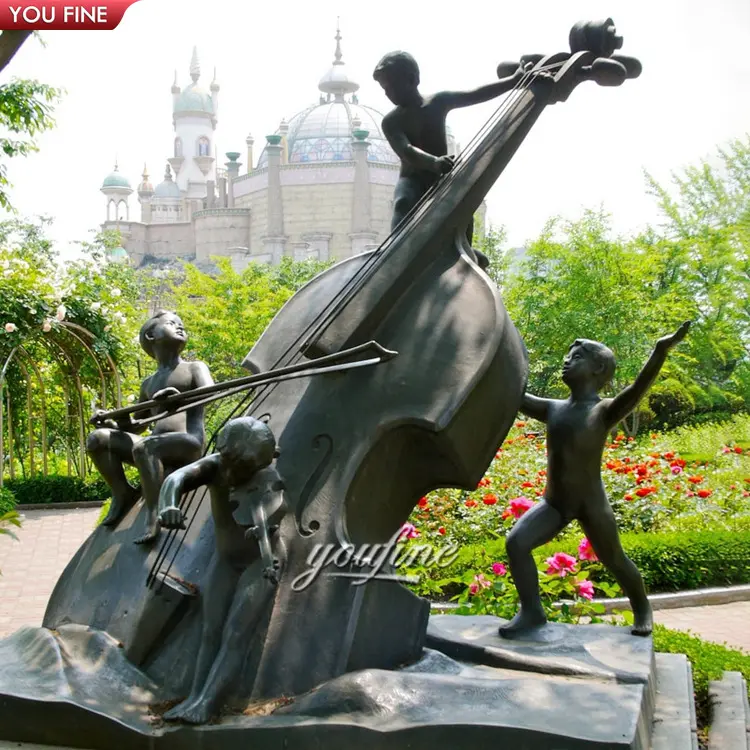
(577, 430)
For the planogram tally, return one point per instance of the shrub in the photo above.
(57, 489)
(7, 501)
(671, 402)
(668, 562)
(709, 661)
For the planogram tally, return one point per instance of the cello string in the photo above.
(381, 255)
(401, 230)
(378, 257)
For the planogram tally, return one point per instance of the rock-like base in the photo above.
(572, 687)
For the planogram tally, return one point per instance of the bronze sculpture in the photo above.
(577, 430)
(176, 440)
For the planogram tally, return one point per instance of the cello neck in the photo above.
(455, 200)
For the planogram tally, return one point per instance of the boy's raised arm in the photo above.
(535, 407)
(457, 99)
(625, 401)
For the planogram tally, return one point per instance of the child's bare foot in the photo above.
(120, 506)
(152, 529)
(643, 620)
(523, 621)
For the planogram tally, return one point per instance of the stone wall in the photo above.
(217, 230)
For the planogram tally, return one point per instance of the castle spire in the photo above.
(337, 56)
(195, 66)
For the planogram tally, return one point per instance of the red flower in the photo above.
(470, 503)
(737, 449)
(645, 491)
(520, 424)
(527, 484)
(628, 497)
(507, 514)
(441, 530)
(705, 493)
(422, 502)
(669, 456)
(489, 499)
(484, 482)
(695, 479)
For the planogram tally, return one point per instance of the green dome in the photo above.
(116, 180)
(119, 252)
(194, 99)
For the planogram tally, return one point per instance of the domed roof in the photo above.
(194, 98)
(118, 253)
(168, 188)
(323, 132)
(116, 180)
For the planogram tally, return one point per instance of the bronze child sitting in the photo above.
(247, 503)
(176, 439)
(577, 430)
(416, 129)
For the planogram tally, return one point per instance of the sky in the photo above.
(591, 151)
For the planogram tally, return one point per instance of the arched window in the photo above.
(204, 146)
(178, 147)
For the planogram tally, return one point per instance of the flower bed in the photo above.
(684, 518)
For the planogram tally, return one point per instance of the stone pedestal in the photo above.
(565, 687)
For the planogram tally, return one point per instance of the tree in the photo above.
(10, 42)
(26, 108)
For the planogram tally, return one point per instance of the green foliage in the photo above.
(103, 512)
(709, 662)
(25, 111)
(11, 518)
(226, 313)
(7, 501)
(57, 489)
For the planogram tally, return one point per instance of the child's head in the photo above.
(398, 74)
(163, 327)
(588, 361)
(246, 445)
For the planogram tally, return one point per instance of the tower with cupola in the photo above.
(194, 112)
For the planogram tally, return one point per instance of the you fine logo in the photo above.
(372, 561)
(57, 15)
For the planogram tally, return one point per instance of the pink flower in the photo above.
(480, 582)
(408, 531)
(676, 470)
(10, 327)
(585, 589)
(47, 326)
(61, 312)
(499, 569)
(586, 551)
(561, 564)
(519, 506)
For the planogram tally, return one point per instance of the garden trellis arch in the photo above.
(67, 346)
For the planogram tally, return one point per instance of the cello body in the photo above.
(357, 449)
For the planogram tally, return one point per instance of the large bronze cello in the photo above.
(357, 448)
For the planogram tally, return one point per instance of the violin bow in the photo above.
(365, 355)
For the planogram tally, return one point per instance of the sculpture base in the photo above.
(577, 687)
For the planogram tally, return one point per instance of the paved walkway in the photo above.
(31, 566)
(721, 623)
(49, 538)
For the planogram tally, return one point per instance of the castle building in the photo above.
(321, 187)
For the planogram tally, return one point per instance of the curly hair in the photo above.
(398, 63)
(247, 439)
(147, 327)
(602, 355)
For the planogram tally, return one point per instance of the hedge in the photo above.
(709, 661)
(57, 489)
(680, 561)
(676, 561)
(7, 501)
